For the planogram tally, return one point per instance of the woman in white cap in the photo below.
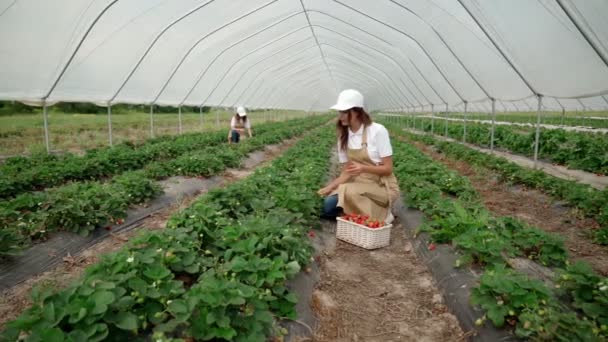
(238, 124)
(367, 185)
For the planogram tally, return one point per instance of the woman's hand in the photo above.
(325, 191)
(354, 168)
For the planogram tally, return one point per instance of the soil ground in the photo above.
(534, 208)
(380, 295)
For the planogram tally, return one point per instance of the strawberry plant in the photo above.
(82, 207)
(505, 294)
(214, 272)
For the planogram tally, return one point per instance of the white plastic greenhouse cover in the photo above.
(402, 54)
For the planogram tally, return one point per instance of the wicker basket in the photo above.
(362, 236)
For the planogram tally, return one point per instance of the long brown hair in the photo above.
(365, 119)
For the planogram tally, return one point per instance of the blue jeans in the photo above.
(235, 137)
(330, 207)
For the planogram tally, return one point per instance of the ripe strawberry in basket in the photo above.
(363, 220)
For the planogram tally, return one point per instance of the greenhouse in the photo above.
(304, 170)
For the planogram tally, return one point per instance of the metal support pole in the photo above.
(432, 120)
(563, 115)
(151, 121)
(537, 139)
(414, 121)
(493, 122)
(217, 119)
(179, 119)
(46, 128)
(110, 123)
(201, 115)
(464, 126)
(446, 120)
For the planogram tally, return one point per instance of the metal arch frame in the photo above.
(386, 56)
(386, 89)
(272, 88)
(289, 16)
(391, 98)
(274, 93)
(504, 55)
(84, 37)
(394, 84)
(261, 72)
(410, 37)
(448, 47)
(316, 40)
(275, 67)
(282, 90)
(203, 73)
(193, 46)
(332, 31)
(345, 76)
(583, 32)
(302, 84)
(392, 47)
(238, 61)
(383, 55)
(390, 89)
(301, 69)
(305, 69)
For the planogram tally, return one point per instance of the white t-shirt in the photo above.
(233, 123)
(378, 143)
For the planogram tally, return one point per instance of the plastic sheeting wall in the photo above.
(402, 54)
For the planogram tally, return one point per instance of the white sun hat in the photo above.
(348, 99)
(241, 111)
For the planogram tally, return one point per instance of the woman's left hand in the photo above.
(354, 168)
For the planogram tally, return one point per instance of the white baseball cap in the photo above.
(241, 111)
(348, 99)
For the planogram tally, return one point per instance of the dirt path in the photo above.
(15, 300)
(559, 171)
(533, 207)
(381, 295)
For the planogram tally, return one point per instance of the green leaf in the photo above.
(157, 272)
(177, 306)
(101, 299)
(52, 335)
(210, 318)
(76, 318)
(125, 320)
(138, 285)
(497, 315)
(292, 298)
(77, 336)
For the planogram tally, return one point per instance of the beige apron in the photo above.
(367, 193)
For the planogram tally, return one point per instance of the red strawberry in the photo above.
(432, 247)
(109, 228)
(120, 221)
(311, 234)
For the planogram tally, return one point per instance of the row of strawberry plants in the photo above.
(21, 174)
(217, 272)
(510, 299)
(591, 202)
(546, 119)
(84, 206)
(577, 150)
